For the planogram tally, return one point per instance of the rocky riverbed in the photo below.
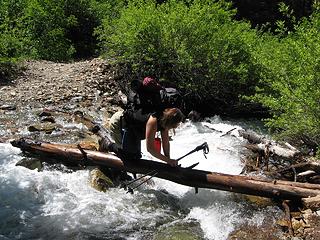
(84, 84)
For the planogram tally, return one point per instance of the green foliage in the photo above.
(197, 45)
(12, 44)
(54, 30)
(59, 30)
(290, 84)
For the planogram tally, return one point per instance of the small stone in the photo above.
(48, 119)
(283, 223)
(76, 99)
(8, 107)
(46, 127)
(298, 225)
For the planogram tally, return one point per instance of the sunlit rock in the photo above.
(260, 201)
(298, 226)
(283, 223)
(46, 127)
(267, 231)
(99, 181)
(311, 202)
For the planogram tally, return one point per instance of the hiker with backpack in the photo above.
(150, 110)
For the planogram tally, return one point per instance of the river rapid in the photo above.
(61, 204)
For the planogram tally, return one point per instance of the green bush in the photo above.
(197, 46)
(53, 30)
(290, 85)
(12, 43)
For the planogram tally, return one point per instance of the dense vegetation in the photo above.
(289, 83)
(198, 45)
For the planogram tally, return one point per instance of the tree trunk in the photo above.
(189, 177)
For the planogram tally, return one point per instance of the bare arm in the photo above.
(151, 129)
(165, 142)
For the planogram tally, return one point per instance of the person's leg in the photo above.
(131, 144)
(115, 126)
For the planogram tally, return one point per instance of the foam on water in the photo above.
(61, 205)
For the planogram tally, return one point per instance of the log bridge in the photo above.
(275, 189)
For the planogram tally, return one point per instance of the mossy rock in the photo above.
(185, 231)
(46, 127)
(99, 181)
(260, 201)
(30, 163)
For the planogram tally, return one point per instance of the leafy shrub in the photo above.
(12, 43)
(53, 30)
(197, 46)
(290, 84)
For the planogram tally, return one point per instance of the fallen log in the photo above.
(190, 177)
(302, 167)
(285, 150)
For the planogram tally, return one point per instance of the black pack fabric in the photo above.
(171, 97)
(142, 102)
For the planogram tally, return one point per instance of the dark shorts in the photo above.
(131, 142)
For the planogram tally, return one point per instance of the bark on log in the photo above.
(189, 177)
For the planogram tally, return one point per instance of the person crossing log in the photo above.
(189, 177)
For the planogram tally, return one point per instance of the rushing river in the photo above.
(55, 204)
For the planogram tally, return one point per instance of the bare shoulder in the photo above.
(152, 122)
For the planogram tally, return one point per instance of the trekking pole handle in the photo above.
(204, 146)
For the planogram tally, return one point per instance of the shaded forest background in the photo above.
(236, 58)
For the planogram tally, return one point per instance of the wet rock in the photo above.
(45, 113)
(260, 201)
(30, 163)
(48, 119)
(46, 127)
(99, 181)
(186, 231)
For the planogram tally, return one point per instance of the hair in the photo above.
(171, 117)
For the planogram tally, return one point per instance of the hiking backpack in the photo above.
(148, 96)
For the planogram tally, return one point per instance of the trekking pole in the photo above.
(204, 146)
(130, 189)
(133, 181)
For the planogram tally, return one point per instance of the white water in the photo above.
(60, 205)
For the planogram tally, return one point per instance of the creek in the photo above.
(61, 204)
